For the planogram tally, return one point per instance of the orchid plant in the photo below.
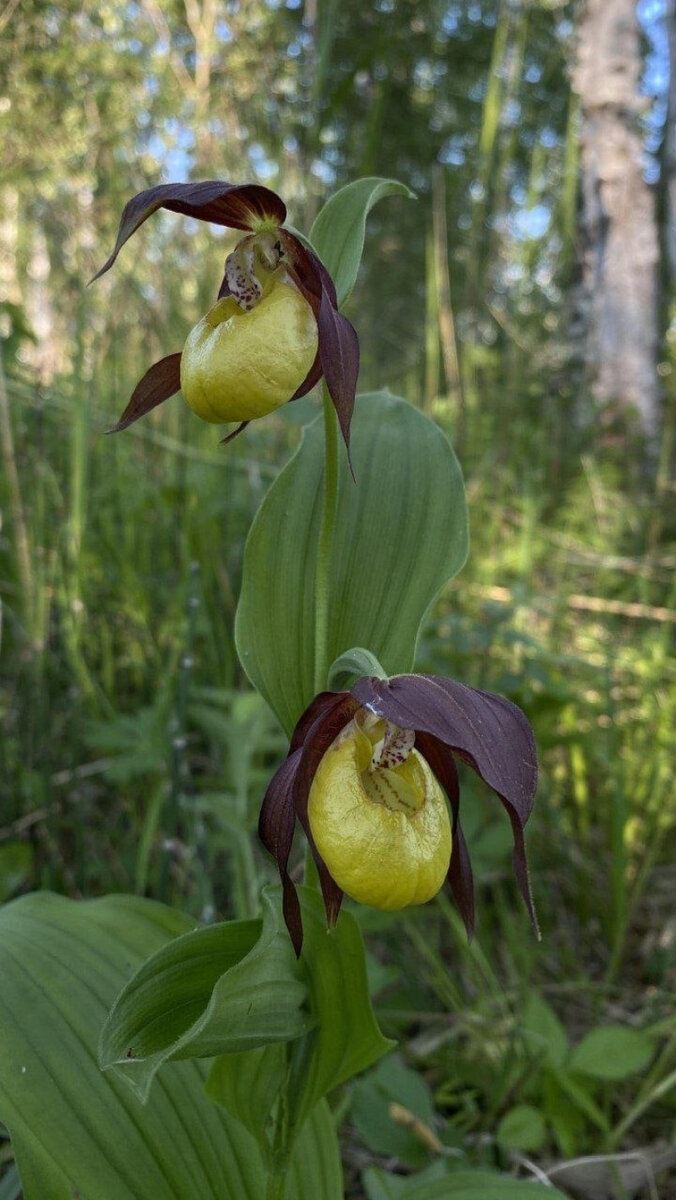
(219, 1045)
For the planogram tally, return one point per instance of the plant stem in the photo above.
(326, 542)
(276, 1185)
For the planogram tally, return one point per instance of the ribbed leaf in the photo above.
(345, 1041)
(77, 1131)
(338, 232)
(225, 988)
(401, 534)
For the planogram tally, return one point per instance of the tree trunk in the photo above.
(669, 152)
(618, 217)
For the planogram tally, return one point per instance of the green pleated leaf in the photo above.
(315, 1169)
(346, 1039)
(401, 534)
(225, 988)
(338, 232)
(77, 1131)
(248, 1086)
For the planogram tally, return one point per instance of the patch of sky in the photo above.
(451, 18)
(321, 170)
(529, 223)
(223, 31)
(264, 167)
(474, 13)
(653, 16)
(294, 4)
(511, 112)
(533, 73)
(452, 153)
(548, 137)
(427, 74)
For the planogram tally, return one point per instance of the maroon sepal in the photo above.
(160, 382)
(313, 376)
(235, 433)
(460, 875)
(287, 799)
(275, 829)
(333, 717)
(488, 732)
(338, 341)
(237, 206)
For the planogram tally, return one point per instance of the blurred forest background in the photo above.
(526, 300)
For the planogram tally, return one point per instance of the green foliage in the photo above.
(224, 988)
(612, 1052)
(392, 1082)
(383, 581)
(456, 1185)
(76, 1129)
(339, 231)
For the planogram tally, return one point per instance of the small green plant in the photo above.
(144, 1056)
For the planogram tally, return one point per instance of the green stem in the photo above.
(276, 1185)
(322, 582)
(323, 571)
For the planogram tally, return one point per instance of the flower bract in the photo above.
(368, 777)
(275, 329)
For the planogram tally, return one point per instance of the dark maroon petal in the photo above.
(488, 732)
(224, 289)
(333, 716)
(338, 341)
(460, 875)
(238, 206)
(160, 382)
(275, 829)
(313, 376)
(322, 703)
(339, 352)
(235, 433)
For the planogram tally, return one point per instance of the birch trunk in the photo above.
(618, 218)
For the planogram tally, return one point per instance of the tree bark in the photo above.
(669, 154)
(618, 222)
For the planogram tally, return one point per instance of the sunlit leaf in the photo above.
(338, 232)
(401, 534)
(226, 987)
(78, 1131)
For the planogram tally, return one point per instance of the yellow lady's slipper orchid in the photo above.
(364, 777)
(276, 329)
(383, 832)
(240, 364)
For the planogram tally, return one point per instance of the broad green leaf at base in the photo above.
(77, 1131)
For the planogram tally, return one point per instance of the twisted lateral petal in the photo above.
(275, 828)
(237, 206)
(333, 717)
(460, 874)
(338, 341)
(160, 382)
(490, 733)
